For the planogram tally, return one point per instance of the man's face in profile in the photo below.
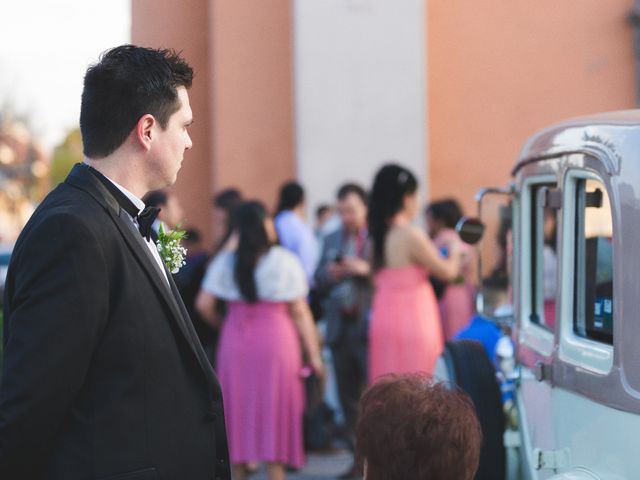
(170, 144)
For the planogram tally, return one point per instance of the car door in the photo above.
(535, 276)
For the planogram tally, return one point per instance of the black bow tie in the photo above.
(145, 219)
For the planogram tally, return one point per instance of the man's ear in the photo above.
(144, 131)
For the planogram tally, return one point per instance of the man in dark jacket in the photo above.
(342, 278)
(103, 375)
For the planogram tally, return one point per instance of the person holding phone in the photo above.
(342, 278)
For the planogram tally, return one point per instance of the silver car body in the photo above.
(578, 397)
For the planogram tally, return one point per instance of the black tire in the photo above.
(471, 370)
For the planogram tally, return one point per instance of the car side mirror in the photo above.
(470, 230)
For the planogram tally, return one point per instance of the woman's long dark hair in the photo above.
(391, 184)
(253, 242)
(228, 200)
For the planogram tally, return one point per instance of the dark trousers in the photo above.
(350, 365)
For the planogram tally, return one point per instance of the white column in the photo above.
(360, 91)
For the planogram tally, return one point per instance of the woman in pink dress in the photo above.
(259, 359)
(405, 332)
(457, 300)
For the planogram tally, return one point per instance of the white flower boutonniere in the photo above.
(171, 252)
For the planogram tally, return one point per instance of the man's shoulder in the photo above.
(334, 238)
(64, 209)
(290, 220)
(66, 200)
(285, 222)
(66, 192)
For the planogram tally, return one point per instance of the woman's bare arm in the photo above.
(303, 320)
(423, 252)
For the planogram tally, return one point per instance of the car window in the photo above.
(593, 274)
(544, 260)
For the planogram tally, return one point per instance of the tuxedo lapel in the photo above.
(81, 178)
(202, 358)
(168, 291)
(148, 262)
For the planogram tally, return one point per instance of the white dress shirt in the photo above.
(140, 206)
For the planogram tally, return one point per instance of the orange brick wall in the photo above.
(498, 72)
(241, 98)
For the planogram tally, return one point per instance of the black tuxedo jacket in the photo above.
(103, 375)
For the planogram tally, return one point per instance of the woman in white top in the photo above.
(259, 359)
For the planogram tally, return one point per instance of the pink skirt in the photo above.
(405, 332)
(456, 308)
(259, 364)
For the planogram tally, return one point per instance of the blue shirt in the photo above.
(297, 236)
(483, 330)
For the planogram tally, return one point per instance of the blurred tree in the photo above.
(65, 155)
(24, 173)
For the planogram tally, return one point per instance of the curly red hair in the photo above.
(411, 428)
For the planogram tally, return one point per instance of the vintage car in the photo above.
(575, 288)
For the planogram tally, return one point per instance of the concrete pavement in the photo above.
(320, 466)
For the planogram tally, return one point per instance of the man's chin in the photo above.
(174, 177)
(166, 183)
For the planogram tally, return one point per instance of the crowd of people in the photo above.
(110, 335)
(387, 293)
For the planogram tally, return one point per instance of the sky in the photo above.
(45, 48)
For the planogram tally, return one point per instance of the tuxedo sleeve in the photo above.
(56, 308)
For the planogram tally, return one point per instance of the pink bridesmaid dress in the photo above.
(259, 359)
(405, 333)
(259, 363)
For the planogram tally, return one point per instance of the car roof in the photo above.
(609, 133)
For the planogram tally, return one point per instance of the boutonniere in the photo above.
(171, 252)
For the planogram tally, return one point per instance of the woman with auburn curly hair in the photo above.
(411, 428)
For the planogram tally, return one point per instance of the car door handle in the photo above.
(542, 371)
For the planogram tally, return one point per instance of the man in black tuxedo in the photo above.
(104, 377)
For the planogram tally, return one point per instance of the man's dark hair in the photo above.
(192, 236)
(291, 195)
(447, 211)
(156, 198)
(321, 210)
(127, 83)
(228, 199)
(349, 188)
